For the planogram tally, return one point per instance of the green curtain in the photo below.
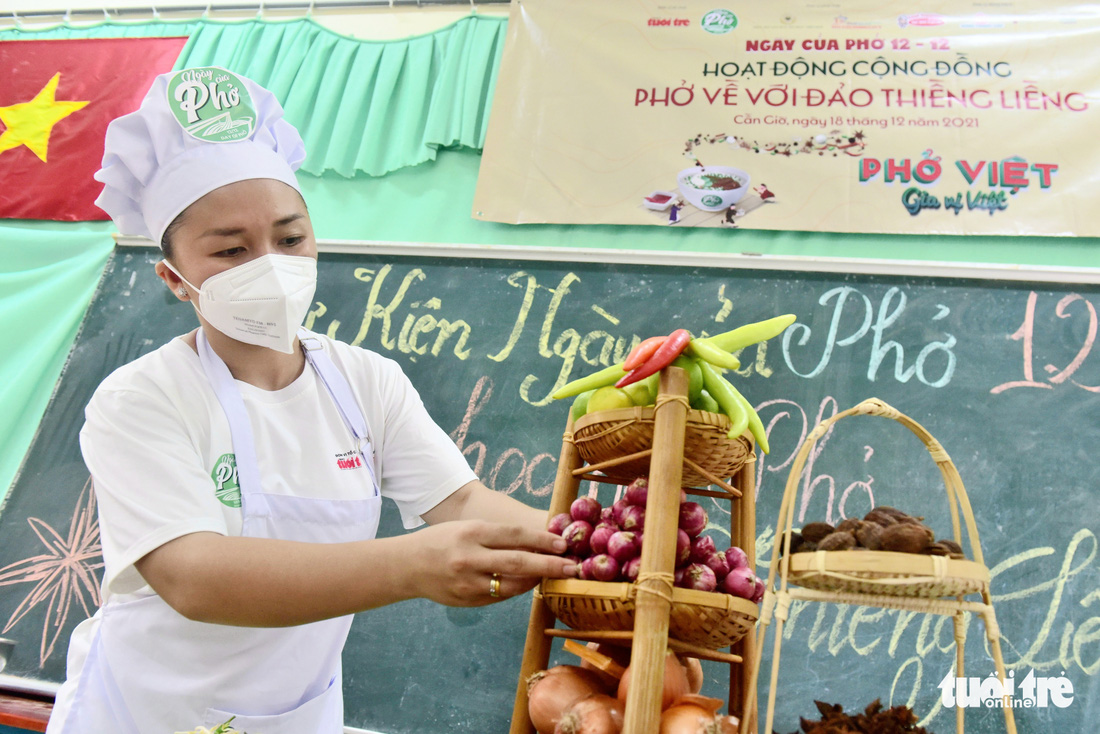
(47, 278)
(366, 107)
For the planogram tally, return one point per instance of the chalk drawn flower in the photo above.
(64, 574)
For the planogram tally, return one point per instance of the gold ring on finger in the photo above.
(494, 586)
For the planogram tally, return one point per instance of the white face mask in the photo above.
(261, 302)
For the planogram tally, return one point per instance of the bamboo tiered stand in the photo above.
(920, 583)
(651, 615)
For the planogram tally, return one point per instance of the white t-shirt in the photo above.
(158, 446)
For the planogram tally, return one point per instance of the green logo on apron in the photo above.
(212, 104)
(226, 487)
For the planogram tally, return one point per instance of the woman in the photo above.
(239, 468)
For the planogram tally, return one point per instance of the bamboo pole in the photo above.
(536, 650)
(654, 585)
(746, 646)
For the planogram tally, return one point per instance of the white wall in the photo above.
(372, 23)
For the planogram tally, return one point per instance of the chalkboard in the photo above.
(1001, 373)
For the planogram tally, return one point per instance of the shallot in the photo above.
(740, 582)
(701, 548)
(577, 535)
(624, 545)
(683, 547)
(618, 509)
(699, 577)
(630, 569)
(758, 594)
(633, 518)
(637, 492)
(587, 509)
(717, 563)
(603, 568)
(737, 558)
(558, 523)
(600, 535)
(693, 518)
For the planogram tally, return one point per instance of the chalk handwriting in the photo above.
(859, 492)
(452, 334)
(1026, 334)
(512, 469)
(935, 362)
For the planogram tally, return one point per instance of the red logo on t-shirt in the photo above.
(350, 460)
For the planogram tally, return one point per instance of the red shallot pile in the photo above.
(606, 542)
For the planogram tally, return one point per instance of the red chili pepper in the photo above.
(639, 354)
(668, 351)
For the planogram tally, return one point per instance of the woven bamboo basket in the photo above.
(702, 618)
(610, 434)
(885, 572)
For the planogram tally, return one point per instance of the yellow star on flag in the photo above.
(30, 123)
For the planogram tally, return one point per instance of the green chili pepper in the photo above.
(756, 426)
(703, 349)
(722, 391)
(606, 376)
(743, 336)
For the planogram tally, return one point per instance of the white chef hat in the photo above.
(196, 130)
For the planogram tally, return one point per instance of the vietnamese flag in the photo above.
(56, 99)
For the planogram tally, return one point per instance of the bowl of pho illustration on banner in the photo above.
(713, 188)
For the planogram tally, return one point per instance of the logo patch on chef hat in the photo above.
(212, 104)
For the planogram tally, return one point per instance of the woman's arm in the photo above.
(476, 501)
(260, 582)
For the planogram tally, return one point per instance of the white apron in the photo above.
(152, 671)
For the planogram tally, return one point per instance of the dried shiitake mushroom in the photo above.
(839, 540)
(869, 535)
(816, 531)
(906, 537)
(849, 525)
(952, 546)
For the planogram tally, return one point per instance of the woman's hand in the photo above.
(456, 561)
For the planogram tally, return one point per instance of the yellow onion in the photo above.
(695, 714)
(694, 671)
(620, 655)
(597, 714)
(674, 687)
(550, 693)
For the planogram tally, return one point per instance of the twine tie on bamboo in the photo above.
(783, 605)
(663, 587)
(938, 453)
(768, 607)
(960, 628)
(993, 632)
(663, 400)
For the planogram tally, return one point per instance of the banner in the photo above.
(963, 118)
(55, 102)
